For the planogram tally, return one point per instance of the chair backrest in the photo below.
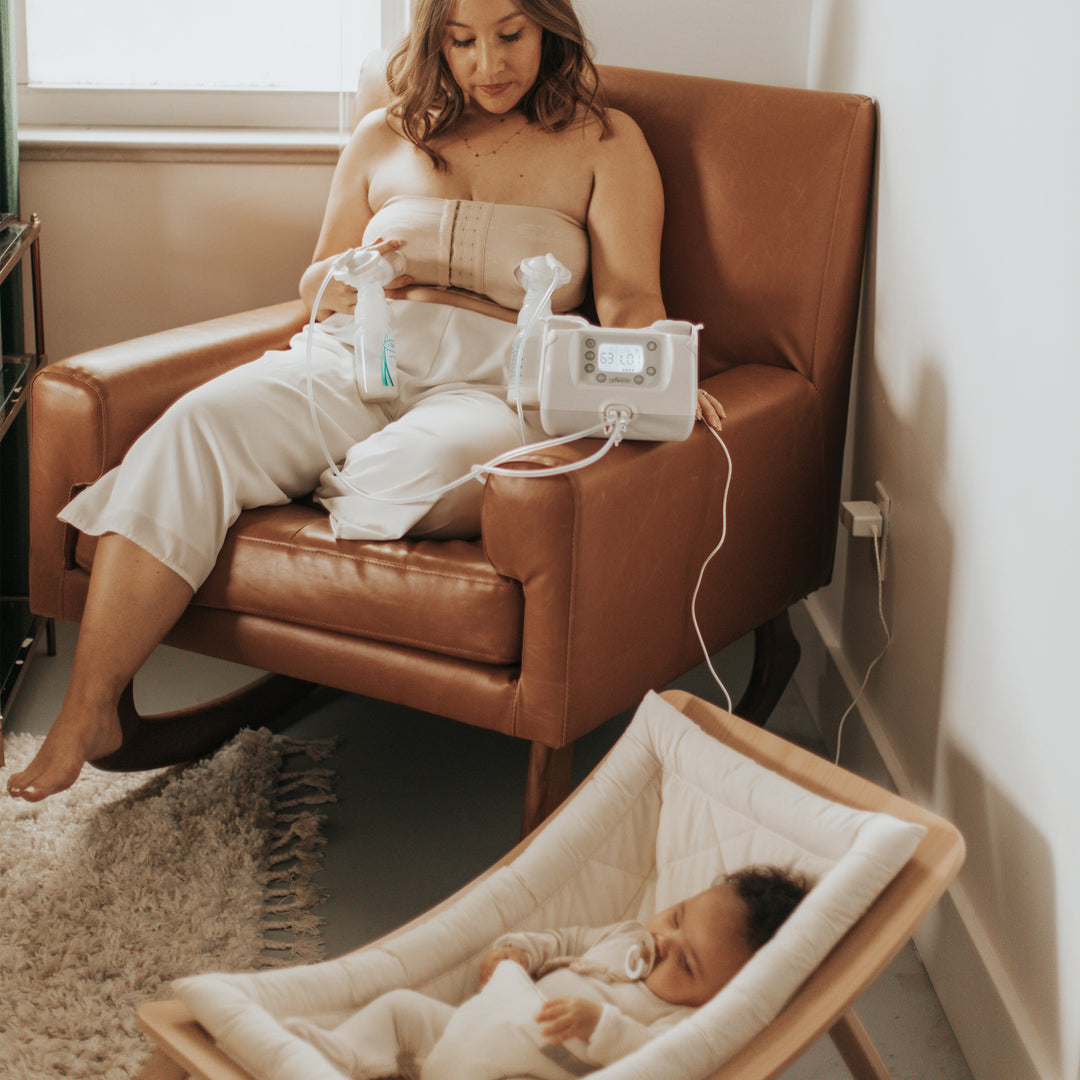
(767, 193)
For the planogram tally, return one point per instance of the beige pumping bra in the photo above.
(477, 246)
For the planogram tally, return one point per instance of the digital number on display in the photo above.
(620, 358)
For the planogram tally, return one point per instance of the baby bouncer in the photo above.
(688, 792)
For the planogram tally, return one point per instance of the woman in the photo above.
(494, 148)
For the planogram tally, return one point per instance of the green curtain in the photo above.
(11, 292)
(9, 181)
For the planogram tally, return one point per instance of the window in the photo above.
(202, 63)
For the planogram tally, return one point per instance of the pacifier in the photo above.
(640, 957)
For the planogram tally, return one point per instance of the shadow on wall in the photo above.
(904, 447)
(905, 450)
(832, 42)
(1008, 887)
(1010, 880)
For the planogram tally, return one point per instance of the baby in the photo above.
(612, 988)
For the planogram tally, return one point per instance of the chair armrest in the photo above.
(124, 388)
(87, 410)
(609, 555)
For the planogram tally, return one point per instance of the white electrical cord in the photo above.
(879, 558)
(339, 263)
(492, 467)
(708, 559)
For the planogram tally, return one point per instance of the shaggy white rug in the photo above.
(113, 888)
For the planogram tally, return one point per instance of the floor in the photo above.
(426, 804)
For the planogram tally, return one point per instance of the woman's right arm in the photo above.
(348, 211)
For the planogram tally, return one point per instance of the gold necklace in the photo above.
(491, 153)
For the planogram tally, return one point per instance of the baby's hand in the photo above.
(568, 1018)
(490, 960)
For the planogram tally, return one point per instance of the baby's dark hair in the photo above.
(771, 894)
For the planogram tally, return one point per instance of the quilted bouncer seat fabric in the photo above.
(575, 599)
(669, 809)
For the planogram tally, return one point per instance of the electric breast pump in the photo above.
(375, 363)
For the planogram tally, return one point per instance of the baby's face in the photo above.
(700, 944)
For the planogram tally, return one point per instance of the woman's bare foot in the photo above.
(75, 738)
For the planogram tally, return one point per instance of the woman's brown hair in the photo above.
(427, 100)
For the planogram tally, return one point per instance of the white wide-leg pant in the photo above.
(247, 439)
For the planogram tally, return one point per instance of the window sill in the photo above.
(191, 145)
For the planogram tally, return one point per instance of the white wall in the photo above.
(966, 411)
(750, 40)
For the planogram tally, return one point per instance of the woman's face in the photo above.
(493, 51)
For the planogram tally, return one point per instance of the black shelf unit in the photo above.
(19, 627)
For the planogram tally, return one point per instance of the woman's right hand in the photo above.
(339, 296)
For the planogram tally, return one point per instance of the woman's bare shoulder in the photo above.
(375, 125)
(619, 134)
(375, 137)
(622, 144)
(623, 130)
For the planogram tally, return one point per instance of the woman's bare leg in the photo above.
(132, 603)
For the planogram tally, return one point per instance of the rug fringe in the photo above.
(294, 855)
(316, 749)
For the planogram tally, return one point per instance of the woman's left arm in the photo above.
(625, 220)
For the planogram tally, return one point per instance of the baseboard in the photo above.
(978, 998)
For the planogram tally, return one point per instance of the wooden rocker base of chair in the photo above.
(547, 783)
(776, 655)
(173, 738)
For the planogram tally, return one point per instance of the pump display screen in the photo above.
(620, 358)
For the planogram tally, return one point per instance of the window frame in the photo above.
(94, 107)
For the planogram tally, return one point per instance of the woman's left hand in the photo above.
(710, 410)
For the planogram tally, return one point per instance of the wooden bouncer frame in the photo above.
(823, 1003)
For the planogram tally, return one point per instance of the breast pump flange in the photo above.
(375, 363)
(540, 276)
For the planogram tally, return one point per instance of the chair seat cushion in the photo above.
(283, 563)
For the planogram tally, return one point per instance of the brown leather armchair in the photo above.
(575, 599)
